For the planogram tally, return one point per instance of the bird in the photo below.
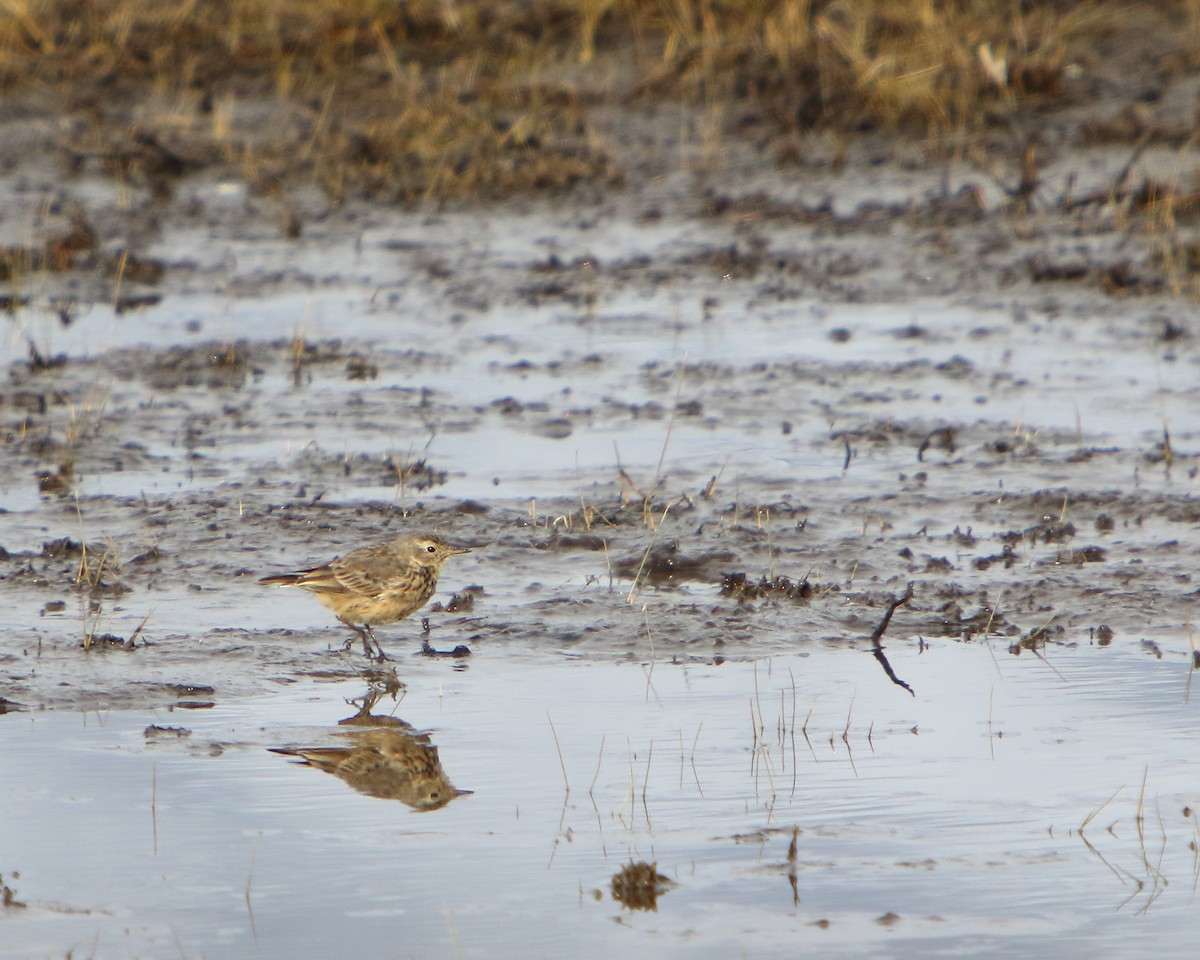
(375, 584)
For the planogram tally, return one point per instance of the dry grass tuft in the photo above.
(429, 98)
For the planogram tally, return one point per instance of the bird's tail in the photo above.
(282, 579)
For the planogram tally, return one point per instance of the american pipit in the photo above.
(381, 583)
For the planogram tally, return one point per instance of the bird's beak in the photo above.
(455, 551)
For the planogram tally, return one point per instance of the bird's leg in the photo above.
(367, 636)
(380, 656)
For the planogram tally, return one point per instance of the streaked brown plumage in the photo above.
(380, 583)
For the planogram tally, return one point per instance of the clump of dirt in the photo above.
(211, 365)
(743, 589)
(94, 569)
(638, 885)
(666, 563)
(8, 896)
(417, 475)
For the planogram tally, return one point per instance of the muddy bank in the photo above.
(632, 411)
(749, 506)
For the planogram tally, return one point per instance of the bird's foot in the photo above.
(367, 636)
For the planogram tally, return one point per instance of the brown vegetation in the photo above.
(451, 98)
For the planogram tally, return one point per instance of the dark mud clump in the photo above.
(743, 589)
(667, 563)
(638, 886)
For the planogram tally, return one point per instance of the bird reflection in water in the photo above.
(383, 757)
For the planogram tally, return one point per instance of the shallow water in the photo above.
(948, 823)
(594, 369)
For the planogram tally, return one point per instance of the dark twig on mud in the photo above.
(944, 435)
(140, 627)
(1118, 189)
(877, 635)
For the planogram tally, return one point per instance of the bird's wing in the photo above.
(366, 571)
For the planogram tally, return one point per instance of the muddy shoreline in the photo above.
(736, 399)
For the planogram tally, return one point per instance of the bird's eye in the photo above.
(431, 549)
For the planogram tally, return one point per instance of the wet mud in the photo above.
(729, 486)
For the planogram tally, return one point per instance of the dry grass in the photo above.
(391, 100)
(449, 98)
